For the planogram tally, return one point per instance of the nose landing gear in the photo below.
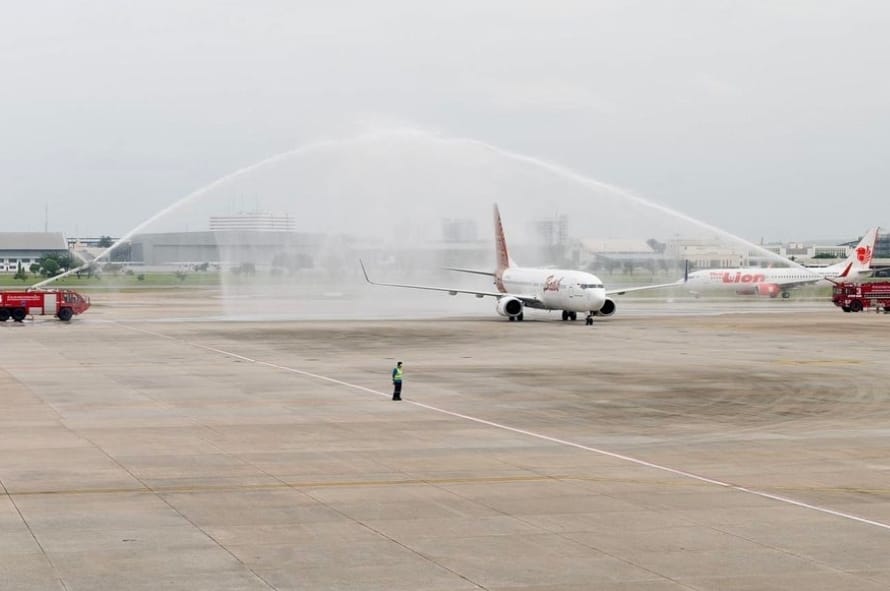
(589, 320)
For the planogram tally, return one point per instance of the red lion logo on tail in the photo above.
(863, 254)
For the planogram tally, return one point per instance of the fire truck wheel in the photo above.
(18, 314)
(4, 314)
(65, 314)
(856, 306)
(845, 308)
(785, 295)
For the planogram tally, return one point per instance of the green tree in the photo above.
(105, 241)
(52, 264)
(20, 273)
(65, 261)
(49, 267)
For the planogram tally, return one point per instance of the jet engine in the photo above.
(768, 289)
(608, 308)
(510, 307)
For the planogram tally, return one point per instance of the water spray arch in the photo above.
(390, 191)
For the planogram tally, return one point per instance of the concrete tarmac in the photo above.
(654, 451)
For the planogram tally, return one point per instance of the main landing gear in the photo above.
(589, 320)
(518, 317)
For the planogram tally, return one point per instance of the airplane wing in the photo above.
(657, 286)
(643, 288)
(802, 282)
(529, 301)
(473, 271)
(797, 284)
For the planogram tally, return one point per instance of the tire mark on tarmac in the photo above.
(540, 436)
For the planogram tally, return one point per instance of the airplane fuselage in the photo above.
(773, 280)
(556, 289)
(748, 277)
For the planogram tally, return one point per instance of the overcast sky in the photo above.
(770, 119)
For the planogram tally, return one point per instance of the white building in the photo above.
(253, 222)
(24, 248)
(705, 254)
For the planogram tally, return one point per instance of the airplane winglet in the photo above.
(365, 272)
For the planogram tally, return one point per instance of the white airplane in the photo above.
(544, 289)
(774, 281)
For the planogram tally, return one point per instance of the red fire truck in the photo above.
(856, 297)
(61, 303)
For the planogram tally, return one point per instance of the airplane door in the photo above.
(574, 292)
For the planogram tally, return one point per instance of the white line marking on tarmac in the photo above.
(603, 452)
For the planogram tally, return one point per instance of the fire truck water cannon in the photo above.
(64, 304)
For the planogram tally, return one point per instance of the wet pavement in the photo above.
(149, 444)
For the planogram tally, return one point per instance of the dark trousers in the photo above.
(397, 390)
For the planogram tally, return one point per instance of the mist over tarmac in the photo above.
(389, 196)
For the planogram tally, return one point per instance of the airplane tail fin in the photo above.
(503, 256)
(860, 259)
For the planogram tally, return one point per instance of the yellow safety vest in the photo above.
(397, 376)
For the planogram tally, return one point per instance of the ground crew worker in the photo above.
(397, 374)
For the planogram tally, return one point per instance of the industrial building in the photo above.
(263, 239)
(227, 247)
(702, 254)
(254, 222)
(24, 248)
